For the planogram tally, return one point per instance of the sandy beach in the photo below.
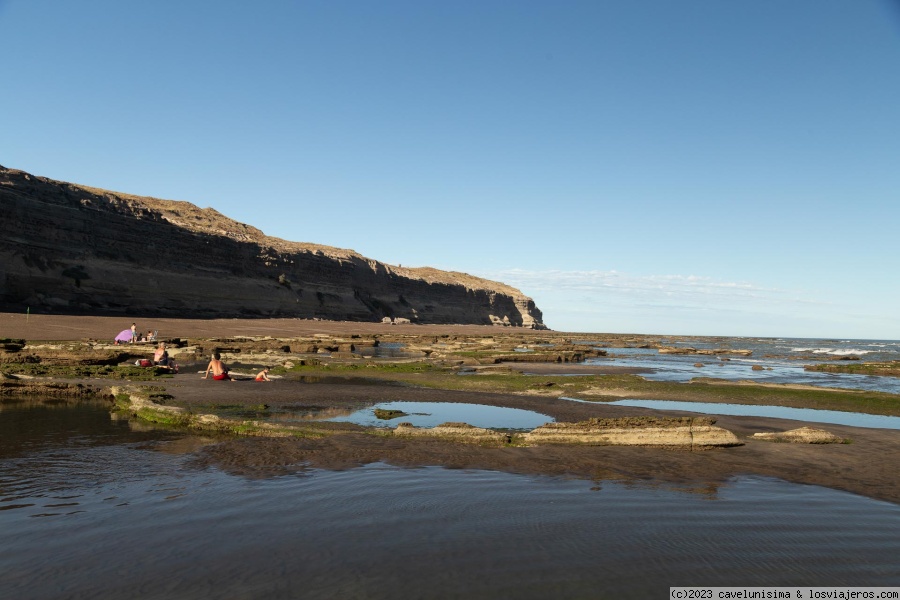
(65, 327)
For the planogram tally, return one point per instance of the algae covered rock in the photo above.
(387, 414)
(453, 431)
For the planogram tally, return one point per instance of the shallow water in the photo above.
(782, 361)
(420, 414)
(90, 508)
(390, 350)
(431, 414)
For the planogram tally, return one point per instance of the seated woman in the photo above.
(161, 356)
(218, 369)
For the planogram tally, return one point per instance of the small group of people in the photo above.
(127, 336)
(132, 336)
(220, 371)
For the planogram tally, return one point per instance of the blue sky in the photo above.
(691, 167)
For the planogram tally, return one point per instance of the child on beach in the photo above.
(263, 375)
(219, 371)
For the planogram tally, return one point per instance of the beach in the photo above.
(184, 486)
(864, 465)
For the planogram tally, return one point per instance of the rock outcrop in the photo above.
(674, 432)
(72, 249)
(703, 351)
(801, 435)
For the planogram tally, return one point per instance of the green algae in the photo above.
(133, 373)
(388, 414)
(162, 418)
(891, 369)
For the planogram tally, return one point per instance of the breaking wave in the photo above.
(833, 351)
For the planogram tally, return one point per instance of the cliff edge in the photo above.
(73, 249)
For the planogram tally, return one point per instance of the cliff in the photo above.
(72, 249)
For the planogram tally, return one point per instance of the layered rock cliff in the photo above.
(69, 248)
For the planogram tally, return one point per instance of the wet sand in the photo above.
(866, 466)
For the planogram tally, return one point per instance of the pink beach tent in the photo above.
(124, 336)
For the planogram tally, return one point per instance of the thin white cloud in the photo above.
(690, 304)
(664, 288)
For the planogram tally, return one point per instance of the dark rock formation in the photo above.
(72, 249)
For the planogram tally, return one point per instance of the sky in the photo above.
(690, 167)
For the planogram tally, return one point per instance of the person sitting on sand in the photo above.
(219, 371)
(161, 356)
(263, 375)
(160, 352)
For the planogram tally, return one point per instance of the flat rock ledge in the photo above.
(462, 432)
(674, 432)
(704, 351)
(677, 432)
(802, 435)
(13, 385)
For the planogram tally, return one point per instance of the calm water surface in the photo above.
(431, 414)
(90, 508)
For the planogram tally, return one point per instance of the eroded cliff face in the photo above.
(69, 248)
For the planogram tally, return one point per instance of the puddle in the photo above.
(431, 414)
(390, 350)
(420, 414)
(777, 412)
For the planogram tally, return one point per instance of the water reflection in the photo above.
(420, 414)
(26, 425)
(385, 532)
(285, 414)
(431, 414)
(390, 350)
(93, 509)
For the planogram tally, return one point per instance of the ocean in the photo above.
(781, 361)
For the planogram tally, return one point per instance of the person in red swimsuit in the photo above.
(218, 369)
(263, 375)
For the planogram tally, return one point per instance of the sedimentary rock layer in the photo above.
(641, 431)
(72, 249)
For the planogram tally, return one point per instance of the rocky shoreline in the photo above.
(588, 439)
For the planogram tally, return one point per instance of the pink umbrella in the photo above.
(124, 336)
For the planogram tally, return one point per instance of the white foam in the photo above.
(834, 351)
